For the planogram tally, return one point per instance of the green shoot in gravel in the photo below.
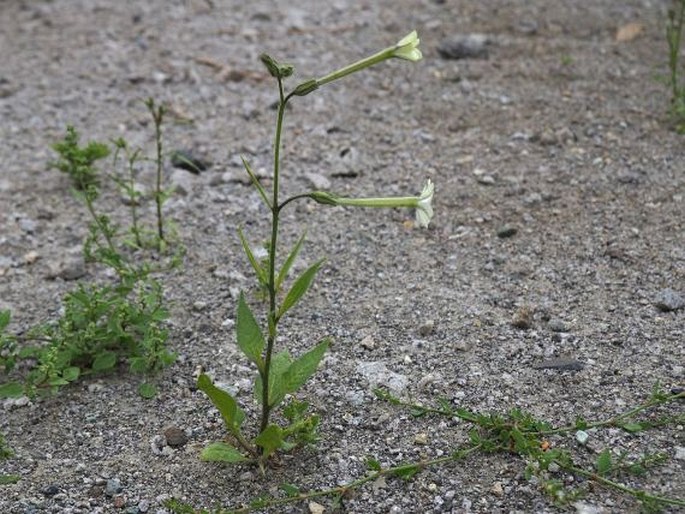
(6, 453)
(541, 447)
(279, 374)
(106, 324)
(674, 32)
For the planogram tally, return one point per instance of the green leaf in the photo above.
(250, 338)
(71, 373)
(406, 472)
(256, 182)
(271, 439)
(289, 261)
(147, 390)
(603, 463)
(259, 270)
(104, 361)
(279, 365)
(373, 464)
(222, 452)
(299, 288)
(4, 319)
(290, 490)
(11, 390)
(633, 427)
(230, 412)
(9, 479)
(304, 367)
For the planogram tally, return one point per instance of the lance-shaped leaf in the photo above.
(250, 338)
(259, 270)
(279, 365)
(222, 452)
(228, 408)
(289, 261)
(270, 440)
(256, 182)
(299, 288)
(304, 367)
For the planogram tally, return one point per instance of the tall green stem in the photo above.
(275, 209)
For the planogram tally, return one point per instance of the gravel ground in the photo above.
(560, 195)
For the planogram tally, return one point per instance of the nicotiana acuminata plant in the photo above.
(279, 375)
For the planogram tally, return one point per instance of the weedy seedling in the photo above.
(674, 32)
(6, 453)
(279, 374)
(105, 324)
(546, 456)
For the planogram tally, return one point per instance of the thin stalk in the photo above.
(273, 312)
(157, 116)
(674, 33)
(342, 490)
(132, 195)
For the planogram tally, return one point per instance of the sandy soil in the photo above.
(559, 133)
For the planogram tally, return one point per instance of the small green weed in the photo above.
(674, 32)
(515, 433)
(6, 453)
(102, 325)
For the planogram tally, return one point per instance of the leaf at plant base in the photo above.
(603, 463)
(71, 373)
(289, 261)
(11, 390)
(290, 490)
(222, 452)
(299, 288)
(250, 338)
(304, 367)
(104, 361)
(147, 390)
(9, 479)
(230, 412)
(373, 464)
(271, 439)
(279, 365)
(4, 319)
(259, 270)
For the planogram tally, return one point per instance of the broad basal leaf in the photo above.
(222, 452)
(104, 361)
(270, 440)
(230, 412)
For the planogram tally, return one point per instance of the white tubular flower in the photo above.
(424, 207)
(422, 203)
(407, 47)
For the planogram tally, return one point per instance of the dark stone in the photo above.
(561, 364)
(468, 46)
(506, 231)
(175, 437)
(50, 490)
(185, 160)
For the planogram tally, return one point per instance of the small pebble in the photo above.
(506, 231)
(186, 160)
(582, 436)
(668, 300)
(316, 508)
(175, 437)
(523, 318)
(421, 438)
(563, 364)
(497, 489)
(427, 328)
(556, 325)
(31, 257)
(113, 487)
(50, 490)
(368, 343)
(467, 46)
